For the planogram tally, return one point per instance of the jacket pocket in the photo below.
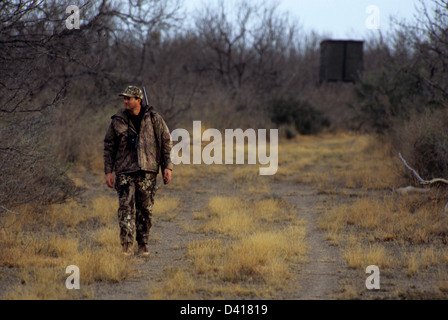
(126, 158)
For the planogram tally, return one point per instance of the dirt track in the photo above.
(324, 273)
(319, 278)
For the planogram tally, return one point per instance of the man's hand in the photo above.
(110, 180)
(167, 176)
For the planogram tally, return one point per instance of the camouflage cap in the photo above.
(132, 92)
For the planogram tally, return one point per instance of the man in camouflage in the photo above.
(136, 144)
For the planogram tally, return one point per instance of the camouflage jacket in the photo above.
(122, 157)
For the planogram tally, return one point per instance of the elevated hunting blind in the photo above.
(340, 60)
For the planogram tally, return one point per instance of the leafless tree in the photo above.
(250, 45)
(44, 64)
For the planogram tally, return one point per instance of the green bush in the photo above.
(298, 114)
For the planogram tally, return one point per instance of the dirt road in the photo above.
(334, 190)
(317, 279)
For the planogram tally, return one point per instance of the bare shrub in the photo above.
(405, 99)
(27, 165)
(424, 141)
(44, 64)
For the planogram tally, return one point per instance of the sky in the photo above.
(344, 19)
(349, 18)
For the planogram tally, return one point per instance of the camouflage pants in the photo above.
(136, 193)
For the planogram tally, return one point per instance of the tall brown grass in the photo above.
(67, 234)
(391, 218)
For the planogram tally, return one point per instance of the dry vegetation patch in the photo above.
(248, 241)
(335, 161)
(389, 233)
(257, 241)
(42, 244)
(252, 241)
(376, 226)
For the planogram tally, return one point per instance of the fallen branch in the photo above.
(2, 208)
(421, 181)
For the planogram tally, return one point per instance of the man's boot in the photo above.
(143, 250)
(127, 249)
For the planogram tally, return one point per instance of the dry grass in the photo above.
(85, 234)
(378, 227)
(230, 216)
(72, 213)
(423, 258)
(39, 284)
(257, 238)
(260, 248)
(68, 234)
(266, 255)
(390, 219)
(178, 285)
(165, 208)
(235, 216)
(338, 161)
(251, 241)
(390, 233)
(97, 265)
(364, 218)
(359, 256)
(252, 245)
(261, 262)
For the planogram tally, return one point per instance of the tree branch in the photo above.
(2, 208)
(421, 181)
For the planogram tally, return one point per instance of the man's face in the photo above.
(132, 104)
